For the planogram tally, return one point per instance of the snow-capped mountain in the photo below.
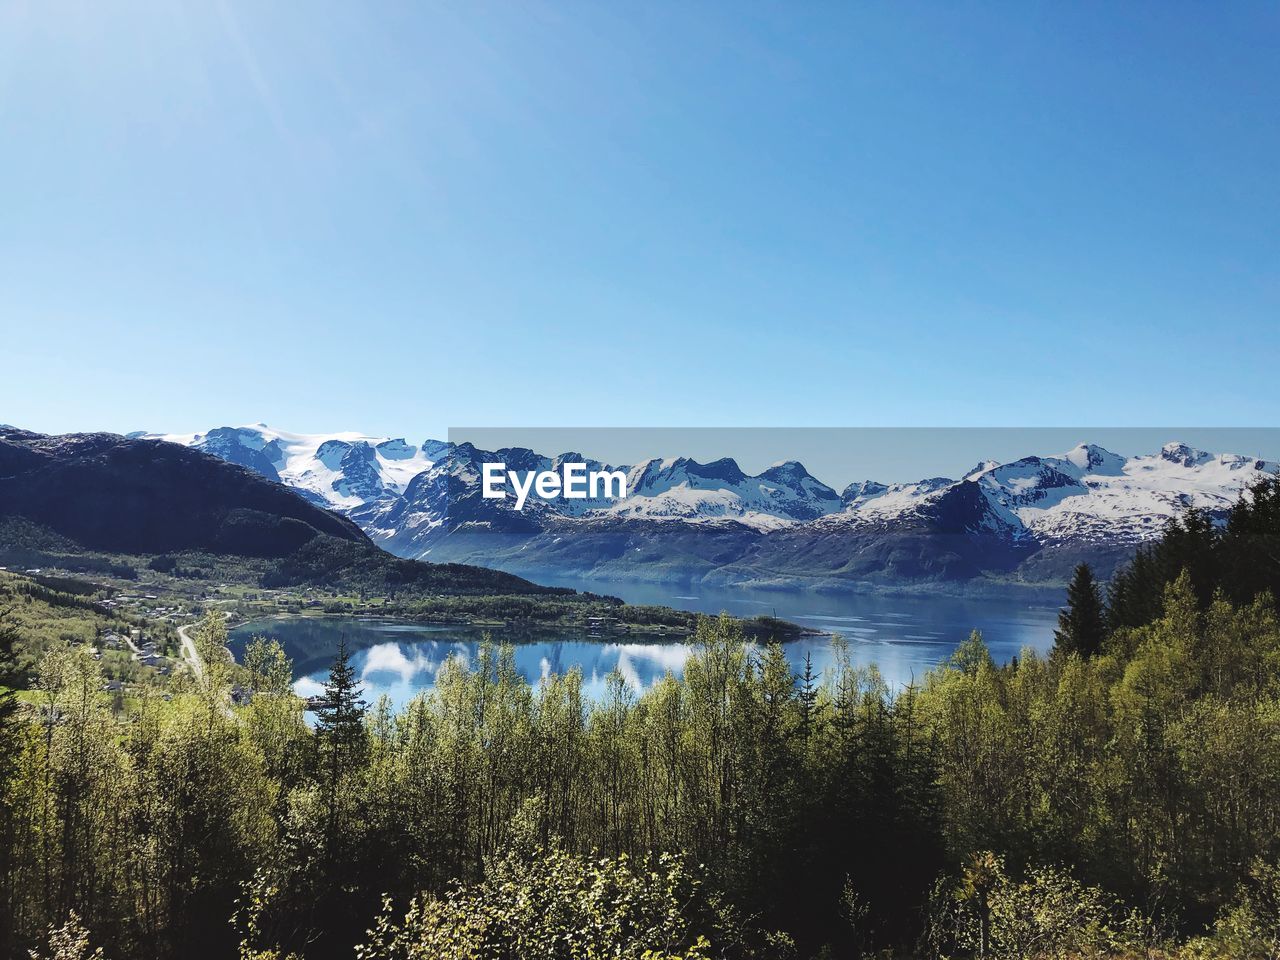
(341, 471)
(698, 519)
(1086, 493)
(446, 496)
(1092, 494)
(684, 489)
(365, 476)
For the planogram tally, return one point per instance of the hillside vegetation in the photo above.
(1116, 798)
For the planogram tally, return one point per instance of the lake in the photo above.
(903, 636)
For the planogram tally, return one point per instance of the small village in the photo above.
(143, 651)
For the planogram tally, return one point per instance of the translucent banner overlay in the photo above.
(819, 508)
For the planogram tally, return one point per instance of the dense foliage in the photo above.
(1239, 559)
(1106, 800)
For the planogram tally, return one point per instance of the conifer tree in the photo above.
(340, 719)
(807, 697)
(340, 723)
(1081, 624)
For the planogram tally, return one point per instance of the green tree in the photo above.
(807, 697)
(11, 737)
(340, 731)
(269, 669)
(1081, 625)
(274, 717)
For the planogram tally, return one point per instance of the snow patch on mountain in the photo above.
(1093, 494)
(407, 496)
(684, 489)
(343, 471)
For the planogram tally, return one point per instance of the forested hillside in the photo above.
(1116, 798)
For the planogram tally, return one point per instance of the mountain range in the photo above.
(63, 497)
(1030, 519)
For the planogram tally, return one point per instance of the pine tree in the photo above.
(808, 697)
(1251, 543)
(340, 731)
(1081, 625)
(340, 719)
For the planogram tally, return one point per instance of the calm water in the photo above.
(904, 637)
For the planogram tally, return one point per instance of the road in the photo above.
(189, 652)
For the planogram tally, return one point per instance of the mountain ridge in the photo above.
(102, 493)
(108, 492)
(420, 501)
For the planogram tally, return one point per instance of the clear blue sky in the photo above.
(403, 217)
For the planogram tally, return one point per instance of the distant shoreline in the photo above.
(975, 589)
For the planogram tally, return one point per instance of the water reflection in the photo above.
(903, 637)
(401, 670)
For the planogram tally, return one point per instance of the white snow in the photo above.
(301, 466)
(1086, 493)
(1127, 499)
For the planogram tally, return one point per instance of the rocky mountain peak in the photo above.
(1183, 454)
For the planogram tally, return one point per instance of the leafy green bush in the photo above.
(1049, 915)
(1251, 929)
(546, 904)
